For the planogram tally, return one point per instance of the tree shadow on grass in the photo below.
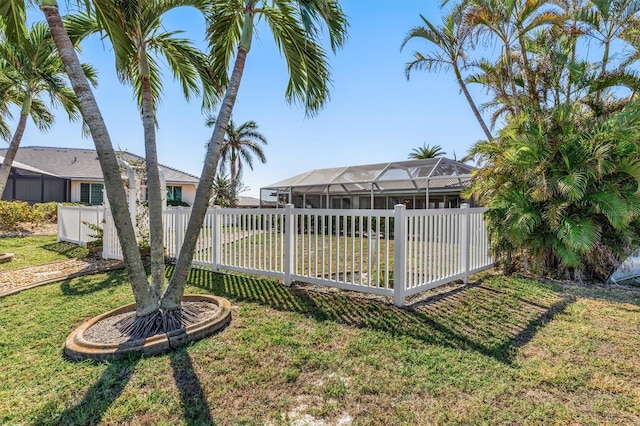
(99, 397)
(196, 410)
(114, 379)
(67, 249)
(491, 319)
(615, 293)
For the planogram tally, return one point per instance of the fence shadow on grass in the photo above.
(100, 396)
(491, 319)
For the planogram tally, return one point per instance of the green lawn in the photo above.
(503, 351)
(30, 251)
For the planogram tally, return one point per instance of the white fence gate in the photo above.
(396, 253)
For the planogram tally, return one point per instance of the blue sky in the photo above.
(374, 116)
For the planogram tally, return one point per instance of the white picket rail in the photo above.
(396, 253)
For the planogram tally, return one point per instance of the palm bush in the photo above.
(562, 187)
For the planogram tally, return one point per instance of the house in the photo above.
(418, 184)
(245, 202)
(41, 174)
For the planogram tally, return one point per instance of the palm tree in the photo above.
(568, 201)
(426, 151)
(510, 21)
(7, 95)
(297, 27)
(137, 64)
(240, 145)
(451, 39)
(30, 70)
(146, 300)
(608, 22)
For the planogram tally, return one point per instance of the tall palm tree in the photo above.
(510, 22)
(451, 39)
(31, 70)
(13, 11)
(240, 145)
(137, 64)
(426, 151)
(7, 96)
(297, 27)
(608, 21)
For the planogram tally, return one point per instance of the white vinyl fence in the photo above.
(73, 220)
(396, 253)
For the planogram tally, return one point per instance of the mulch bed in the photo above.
(108, 331)
(14, 281)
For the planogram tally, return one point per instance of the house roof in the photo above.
(244, 201)
(81, 164)
(435, 173)
(21, 166)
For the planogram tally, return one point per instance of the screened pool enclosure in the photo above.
(418, 184)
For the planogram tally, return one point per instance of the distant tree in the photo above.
(224, 194)
(240, 145)
(29, 71)
(426, 151)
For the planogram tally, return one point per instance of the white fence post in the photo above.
(178, 230)
(80, 223)
(465, 243)
(289, 241)
(217, 238)
(400, 255)
(60, 219)
(106, 234)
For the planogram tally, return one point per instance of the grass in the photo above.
(501, 351)
(31, 251)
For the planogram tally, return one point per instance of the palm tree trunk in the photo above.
(234, 179)
(171, 299)
(529, 78)
(146, 301)
(154, 190)
(512, 81)
(14, 144)
(472, 104)
(603, 70)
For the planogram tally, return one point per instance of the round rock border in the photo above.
(78, 348)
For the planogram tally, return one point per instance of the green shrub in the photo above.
(14, 212)
(176, 203)
(49, 211)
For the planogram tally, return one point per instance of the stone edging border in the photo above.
(78, 348)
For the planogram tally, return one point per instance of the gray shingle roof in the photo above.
(82, 164)
(19, 165)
